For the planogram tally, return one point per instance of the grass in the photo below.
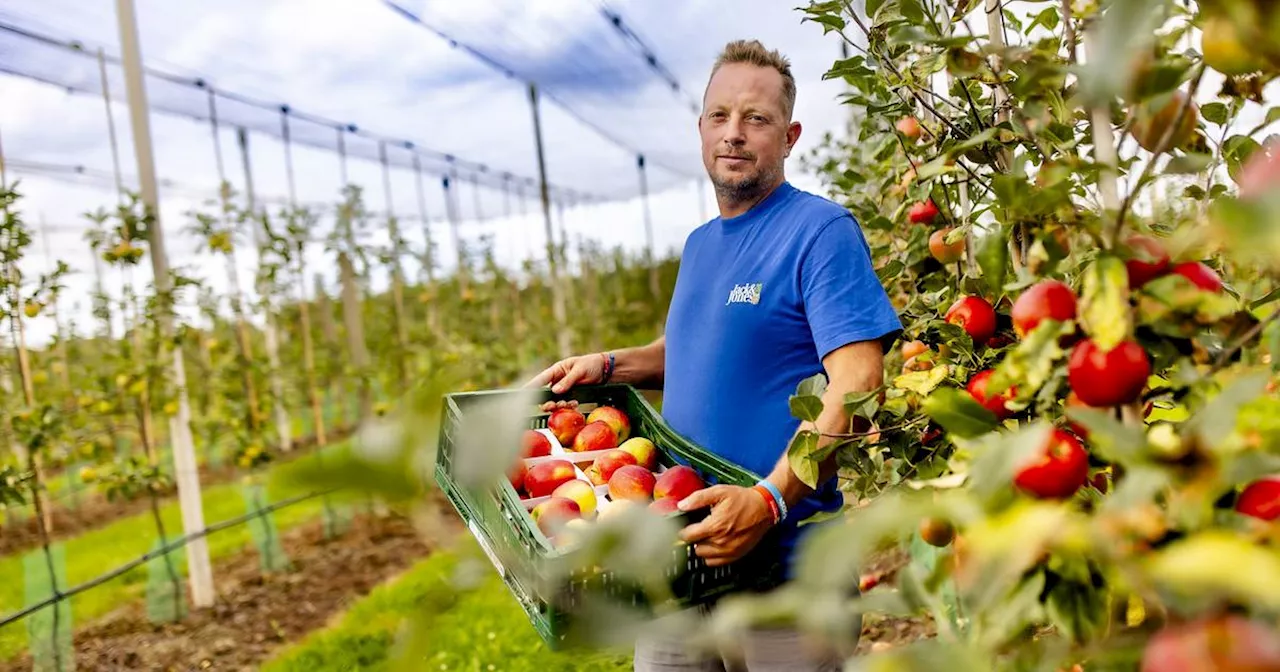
(481, 629)
(91, 554)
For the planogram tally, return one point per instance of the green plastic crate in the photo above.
(498, 520)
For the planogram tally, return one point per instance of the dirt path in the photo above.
(255, 615)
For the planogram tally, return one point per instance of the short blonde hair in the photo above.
(752, 52)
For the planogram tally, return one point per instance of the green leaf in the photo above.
(801, 457)
(922, 382)
(1175, 306)
(806, 407)
(1217, 419)
(1188, 164)
(999, 455)
(1122, 33)
(813, 386)
(1248, 230)
(1214, 112)
(863, 404)
(1104, 306)
(873, 6)
(957, 412)
(1236, 151)
(1215, 564)
(1109, 438)
(1031, 363)
(1268, 298)
(911, 10)
(993, 259)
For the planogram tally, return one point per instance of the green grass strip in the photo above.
(482, 629)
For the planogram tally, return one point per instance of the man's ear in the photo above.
(793, 135)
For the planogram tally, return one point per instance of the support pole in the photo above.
(111, 125)
(449, 183)
(397, 274)
(184, 457)
(557, 290)
(654, 288)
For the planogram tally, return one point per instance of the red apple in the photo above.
(1073, 401)
(615, 418)
(596, 435)
(909, 127)
(643, 450)
(1261, 173)
(1151, 120)
(544, 477)
(944, 252)
(1261, 498)
(923, 213)
(580, 492)
(912, 348)
(679, 482)
(608, 463)
(565, 423)
(975, 316)
(977, 389)
(1045, 300)
(534, 444)
(1059, 469)
(1149, 260)
(1105, 379)
(632, 482)
(516, 475)
(552, 514)
(664, 506)
(1200, 274)
(1219, 643)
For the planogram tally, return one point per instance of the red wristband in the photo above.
(768, 500)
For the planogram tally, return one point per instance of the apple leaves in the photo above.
(1104, 306)
(1174, 306)
(1031, 364)
(806, 403)
(957, 412)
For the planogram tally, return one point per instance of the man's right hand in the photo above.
(564, 374)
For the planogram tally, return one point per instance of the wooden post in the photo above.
(397, 274)
(352, 319)
(199, 567)
(558, 310)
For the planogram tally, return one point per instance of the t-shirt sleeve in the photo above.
(843, 298)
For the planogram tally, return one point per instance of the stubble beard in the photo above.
(747, 188)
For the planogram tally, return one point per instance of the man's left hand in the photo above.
(739, 518)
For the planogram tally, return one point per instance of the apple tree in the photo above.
(1075, 206)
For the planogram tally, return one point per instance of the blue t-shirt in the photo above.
(759, 300)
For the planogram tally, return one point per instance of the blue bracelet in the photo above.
(777, 497)
(608, 373)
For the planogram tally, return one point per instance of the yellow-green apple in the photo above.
(618, 420)
(552, 514)
(677, 482)
(534, 444)
(593, 473)
(571, 533)
(664, 505)
(608, 463)
(565, 423)
(632, 482)
(544, 477)
(643, 450)
(596, 435)
(579, 491)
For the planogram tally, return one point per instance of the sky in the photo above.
(362, 62)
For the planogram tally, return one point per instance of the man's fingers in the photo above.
(697, 531)
(548, 374)
(700, 498)
(571, 378)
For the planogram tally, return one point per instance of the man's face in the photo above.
(746, 135)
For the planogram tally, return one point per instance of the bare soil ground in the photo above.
(255, 614)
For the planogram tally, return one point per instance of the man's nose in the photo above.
(733, 131)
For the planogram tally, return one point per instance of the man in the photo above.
(778, 288)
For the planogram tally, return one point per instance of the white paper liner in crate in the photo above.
(559, 452)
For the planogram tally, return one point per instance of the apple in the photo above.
(1073, 401)
(552, 514)
(1201, 275)
(565, 423)
(643, 450)
(615, 418)
(923, 213)
(975, 316)
(1151, 121)
(937, 532)
(1261, 498)
(596, 435)
(516, 475)
(632, 482)
(944, 252)
(579, 491)
(665, 506)
(608, 463)
(1057, 471)
(1260, 174)
(593, 473)
(913, 348)
(1149, 261)
(1045, 300)
(679, 481)
(534, 444)
(545, 477)
(1224, 50)
(1105, 379)
(909, 127)
(1218, 642)
(977, 388)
